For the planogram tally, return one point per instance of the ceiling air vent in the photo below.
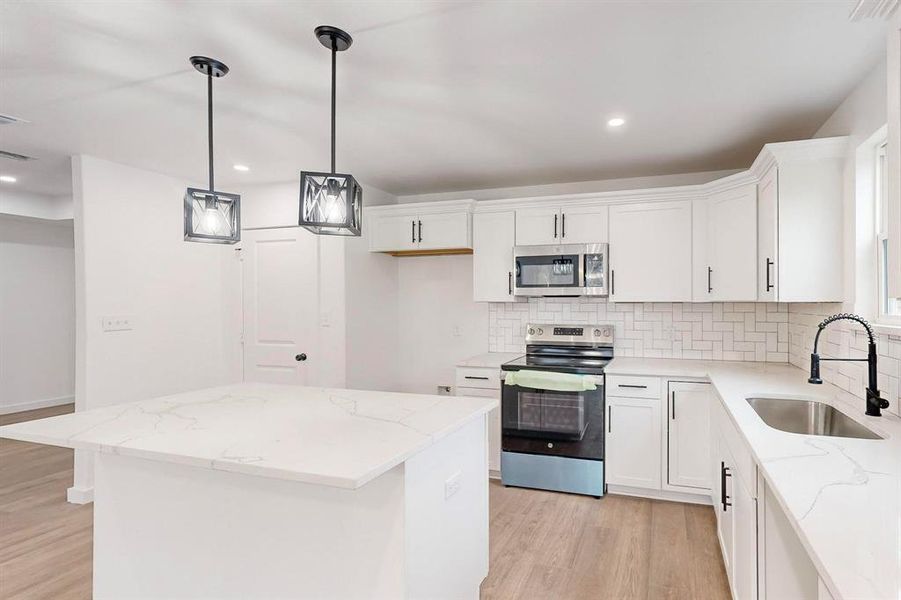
(10, 120)
(14, 156)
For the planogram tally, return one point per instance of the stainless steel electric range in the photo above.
(553, 439)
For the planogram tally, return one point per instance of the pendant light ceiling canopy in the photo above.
(331, 203)
(211, 216)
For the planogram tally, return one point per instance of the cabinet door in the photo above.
(722, 505)
(744, 542)
(767, 212)
(439, 231)
(650, 252)
(633, 442)
(584, 225)
(688, 439)
(494, 424)
(390, 233)
(732, 226)
(537, 226)
(493, 238)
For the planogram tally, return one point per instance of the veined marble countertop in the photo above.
(842, 495)
(339, 438)
(492, 360)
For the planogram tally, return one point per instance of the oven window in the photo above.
(545, 412)
(548, 271)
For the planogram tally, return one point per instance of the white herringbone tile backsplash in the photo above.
(843, 339)
(713, 331)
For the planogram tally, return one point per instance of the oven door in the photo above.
(550, 422)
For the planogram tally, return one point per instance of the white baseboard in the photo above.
(34, 404)
(624, 490)
(80, 495)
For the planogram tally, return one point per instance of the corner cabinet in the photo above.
(493, 238)
(576, 224)
(800, 215)
(650, 252)
(421, 228)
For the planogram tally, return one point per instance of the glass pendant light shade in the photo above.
(330, 203)
(212, 216)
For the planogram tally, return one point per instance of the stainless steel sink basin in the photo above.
(810, 417)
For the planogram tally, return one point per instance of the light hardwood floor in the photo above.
(544, 546)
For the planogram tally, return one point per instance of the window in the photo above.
(889, 308)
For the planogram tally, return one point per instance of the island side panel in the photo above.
(164, 530)
(447, 530)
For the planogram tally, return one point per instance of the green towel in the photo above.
(551, 380)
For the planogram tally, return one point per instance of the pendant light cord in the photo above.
(209, 107)
(334, 54)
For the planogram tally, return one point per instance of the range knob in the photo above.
(597, 333)
(531, 331)
(540, 331)
(607, 332)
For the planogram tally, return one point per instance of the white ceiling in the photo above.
(432, 96)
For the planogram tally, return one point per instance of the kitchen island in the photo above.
(270, 491)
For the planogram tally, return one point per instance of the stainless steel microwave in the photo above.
(564, 270)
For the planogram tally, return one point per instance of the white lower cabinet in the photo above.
(485, 383)
(688, 435)
(786, 570)
(633, 442)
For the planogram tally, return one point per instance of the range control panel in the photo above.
(569, 334)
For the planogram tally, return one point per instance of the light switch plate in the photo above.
(452, 485)
(118, 323)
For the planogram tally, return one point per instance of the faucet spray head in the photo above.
(814, 369)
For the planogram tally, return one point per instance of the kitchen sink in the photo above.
(809, 417)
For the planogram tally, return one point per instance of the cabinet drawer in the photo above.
(633, 387)
(476, 377)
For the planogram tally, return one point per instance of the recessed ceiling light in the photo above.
(616, 122)
(7, 179)
(242, 168)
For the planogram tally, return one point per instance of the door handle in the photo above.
(769, 285)
(709, 283)
(475, 377)
(612, 282)
(300, 357)
(632, 385)
(563, 226)
(413, 229)
(555, 226)
(510, 283)
(724, 498)
(609, 419)
(674, 406)
(420, 231)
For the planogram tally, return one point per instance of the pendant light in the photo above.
(211, 216)
(331, 203)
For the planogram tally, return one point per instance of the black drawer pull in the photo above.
(630, 385)
(475, 377)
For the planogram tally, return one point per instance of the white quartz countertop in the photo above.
(842, 495)
(340, 438)
(489, 360)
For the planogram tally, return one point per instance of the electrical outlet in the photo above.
(452, 485)
(119, 323)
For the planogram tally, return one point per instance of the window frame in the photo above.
(889, 309)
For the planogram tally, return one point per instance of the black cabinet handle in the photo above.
(709, 284)
(413, 234)
(300, 357)
(609, 419)
(420, 231)
(724, 498)
(612, 282)
(563, 226)
(510, 283)
(674, 406)
(769, 285)
(555, 226)
(630, 385)
(475, 377)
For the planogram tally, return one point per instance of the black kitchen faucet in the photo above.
(875, 403)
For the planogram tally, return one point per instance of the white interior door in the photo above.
(280, 305)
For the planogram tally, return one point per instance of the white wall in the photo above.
(438, 322)
(39, 206)
(132, 260)
(579, 187)
(37, 313)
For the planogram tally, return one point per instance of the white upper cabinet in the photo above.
(650, 252)
(725, 246)
(567, 225)
(800, 221)
(419, 228)
(493, 238)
